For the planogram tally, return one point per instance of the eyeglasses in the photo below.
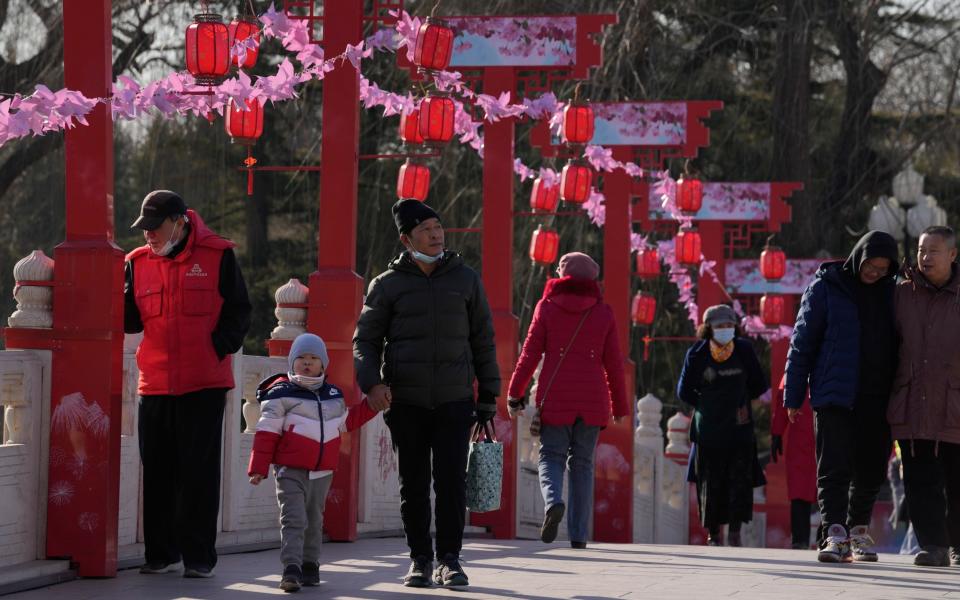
(872, 270)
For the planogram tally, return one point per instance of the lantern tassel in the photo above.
(250, 162)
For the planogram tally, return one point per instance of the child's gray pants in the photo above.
(301, 501)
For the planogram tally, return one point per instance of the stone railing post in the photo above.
(672, 488)
(678, 438)
(34, 302)
(16, 418)
(647, 456)
(291, 310)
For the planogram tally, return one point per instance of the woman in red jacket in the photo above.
(801, 463)
(575, 333)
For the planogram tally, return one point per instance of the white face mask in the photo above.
(311, 383)
(723, 336)
(425, 258)
(168, 247)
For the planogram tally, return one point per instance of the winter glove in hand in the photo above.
(486, 407)
(776, 447)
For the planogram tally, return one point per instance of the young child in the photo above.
(302, 416)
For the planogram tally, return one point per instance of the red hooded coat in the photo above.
(798, 449)
(591, 376)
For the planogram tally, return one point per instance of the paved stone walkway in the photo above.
(527, 570)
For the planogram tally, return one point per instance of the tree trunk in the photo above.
(791, 107)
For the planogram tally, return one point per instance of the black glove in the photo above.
(776, 447)
(486, 407)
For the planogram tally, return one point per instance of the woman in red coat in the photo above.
(575, 333)
(801, 463)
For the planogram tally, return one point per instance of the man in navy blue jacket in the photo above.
(844, 346)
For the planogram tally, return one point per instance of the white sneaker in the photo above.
(861, 544)
(836, 548)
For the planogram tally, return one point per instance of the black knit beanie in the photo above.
(410, 213)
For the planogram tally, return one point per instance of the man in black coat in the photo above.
(425, 335)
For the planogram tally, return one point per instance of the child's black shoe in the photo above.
(291, 579)
(310, 574)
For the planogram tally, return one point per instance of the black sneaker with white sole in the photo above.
(419, 573)
(551, 522)
(449, 572)
(157, 568)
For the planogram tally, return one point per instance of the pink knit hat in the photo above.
(579, 265)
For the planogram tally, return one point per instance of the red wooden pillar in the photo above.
(87, 334)
(335, 289)
(613, 474)
(497, 257)
(709, 292)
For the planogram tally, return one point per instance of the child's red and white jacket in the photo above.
(299, 427)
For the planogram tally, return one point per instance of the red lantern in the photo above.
(243, 28)
(687, 247)
(771, 309)
(244, 126)
(544, 197)
(413, 181)
(434, 46)
(577, 124)
(773, 263)
(208, 49)
(689, 195)
(436, 119)
(575, 181)
(410, 128)
(648, 263)
(644, 309)
(544, 246)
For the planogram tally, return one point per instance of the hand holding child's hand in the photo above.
(256, 479)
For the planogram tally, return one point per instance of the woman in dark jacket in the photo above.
(721, 376)
(581, 380)
(844, 348)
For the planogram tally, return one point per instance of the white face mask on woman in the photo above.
(723, 335)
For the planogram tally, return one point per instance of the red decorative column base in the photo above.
(278, 348)
(334, 305)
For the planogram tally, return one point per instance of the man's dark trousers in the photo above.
(444, 433)
(853, 447)
(929, 469)
(180, 438)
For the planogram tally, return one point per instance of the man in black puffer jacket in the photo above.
(425, 335)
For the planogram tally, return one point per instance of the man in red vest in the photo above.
(184, 290)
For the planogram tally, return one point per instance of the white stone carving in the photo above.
(678, 437)
(251, 414)
(34, 302)
(291, 322)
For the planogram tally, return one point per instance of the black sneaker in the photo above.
(932, 556)
(450, 573)
(291, 579)
(310, 574)
(157, 568)
(551, 521)
(198, 572)
(419, 573)
(955, 556)
(578, 545)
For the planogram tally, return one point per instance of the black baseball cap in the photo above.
(158, 206)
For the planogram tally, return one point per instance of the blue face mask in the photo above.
(425, 258)
(723, 336)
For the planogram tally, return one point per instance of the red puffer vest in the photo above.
(591, 377)
(179, 302)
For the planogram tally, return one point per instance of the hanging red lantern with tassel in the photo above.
(410, 128)
(688, 247)
(208, 48)
(577, 124)
(245, 127)
(413, 181)
(689, 195)
(543, 197)
(436, 119)
(771, 310)
(434, 45)
(648, 263)
(773, 263)
(241, 29)
(575, 181)
(644, 309)
(544, 246)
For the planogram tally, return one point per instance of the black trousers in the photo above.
(442, 434)
(931, 480)
(725, 485)
(180, 439)
(853, 447)
(800, 522)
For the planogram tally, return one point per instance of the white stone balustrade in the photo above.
(647, 459)
(34, 302)
(678, 438)
(291, 322)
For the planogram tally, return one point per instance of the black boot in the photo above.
(419, 573)
(551, 521)
(291, 578)
(310, 574)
